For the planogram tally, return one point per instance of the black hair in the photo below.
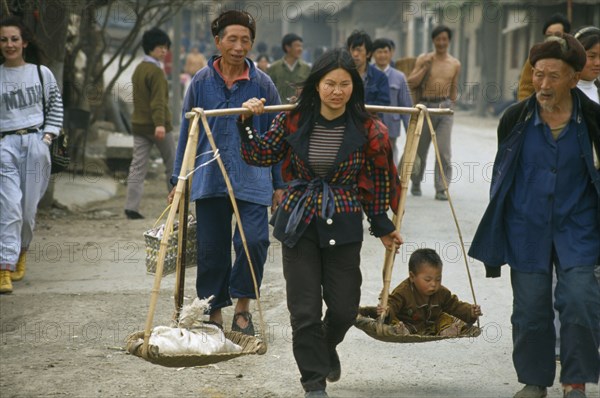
(153, 38)
(288, 40)
(441, 29)
(358, 38)
(309, 102)
(421, 257)
(261, 56)
(382, 43)
(33, 53)
(233, 17)
(557, 18)
(588, 36)
(262, 47)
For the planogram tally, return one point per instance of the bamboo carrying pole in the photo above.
(182, 248)
(289, 107)
(188, 156)
(407, 162)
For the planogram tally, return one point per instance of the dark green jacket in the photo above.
(286, 80)
(150, 99)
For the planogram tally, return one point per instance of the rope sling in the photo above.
(367, 320)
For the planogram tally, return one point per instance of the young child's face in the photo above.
(427, 280)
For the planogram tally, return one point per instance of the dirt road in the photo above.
(62, 331)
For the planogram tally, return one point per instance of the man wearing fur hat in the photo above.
(544, 217)
(227, 81)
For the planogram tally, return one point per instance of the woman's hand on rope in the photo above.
(392, 241)
(257, 106)
(381, 310)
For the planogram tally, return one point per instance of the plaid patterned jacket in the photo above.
(364, 178)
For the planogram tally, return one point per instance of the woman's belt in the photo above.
(312, 188)
(20, 131)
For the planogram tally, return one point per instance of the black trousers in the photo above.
(314, 274)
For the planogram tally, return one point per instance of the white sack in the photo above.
(203, 340)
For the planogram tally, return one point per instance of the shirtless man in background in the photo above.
(435, 78)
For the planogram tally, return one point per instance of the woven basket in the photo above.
(250, 345)
(170, 264)
(387, 333)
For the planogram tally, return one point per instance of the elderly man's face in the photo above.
(234, 45)
(552, 80)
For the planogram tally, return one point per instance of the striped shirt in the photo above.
(325, 141)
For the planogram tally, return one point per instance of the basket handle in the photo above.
(161, 216)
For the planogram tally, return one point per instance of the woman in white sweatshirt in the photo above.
(26, 132)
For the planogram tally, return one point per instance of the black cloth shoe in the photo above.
(441, 195)
(531, 391)
(248, 330)
(336, 368)
(133, 215)
(315, 393)
(415, 190)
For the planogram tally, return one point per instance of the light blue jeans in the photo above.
(24, 176)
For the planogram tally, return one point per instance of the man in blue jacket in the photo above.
(544, 217)
(226, 82)
(377, 90)
(383, 50)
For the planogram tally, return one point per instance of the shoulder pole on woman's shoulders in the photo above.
(289, 107)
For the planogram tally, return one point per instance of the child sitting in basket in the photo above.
(421, 305)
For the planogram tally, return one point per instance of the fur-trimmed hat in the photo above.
(561, 46)
(233, 17)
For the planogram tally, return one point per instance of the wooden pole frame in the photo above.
(420, 113)
(405, 170)
(413, 134)
(182, 237)
(188, 162)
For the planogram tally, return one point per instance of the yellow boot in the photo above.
(20, 270)
(5, 283)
